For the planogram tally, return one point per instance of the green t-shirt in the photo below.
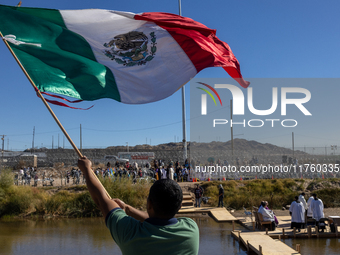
(153, 236)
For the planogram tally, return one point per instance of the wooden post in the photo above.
(283, 233)
(298, 248)
(317, 231)
(260, 249)
(80, 155)
(233, 226)
(253, 225)
(266, 231)
(336, 230)
(294, 232)
(239, 236)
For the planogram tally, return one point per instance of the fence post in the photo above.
(317, 231)
(298, 248)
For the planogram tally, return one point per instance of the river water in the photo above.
(90, 236)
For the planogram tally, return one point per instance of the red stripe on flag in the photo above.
(199, 42)
(65, 105)
(60, 103)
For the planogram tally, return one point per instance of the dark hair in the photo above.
(263, 203)
(303, 193)
(166, 198)
(296, 198)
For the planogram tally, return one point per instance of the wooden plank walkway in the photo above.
(222, 215)
(261, 243)
(218, 214)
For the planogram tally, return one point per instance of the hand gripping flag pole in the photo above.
(49, 108)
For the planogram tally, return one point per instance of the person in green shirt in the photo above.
(155, 231)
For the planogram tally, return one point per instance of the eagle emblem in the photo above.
(131, 48)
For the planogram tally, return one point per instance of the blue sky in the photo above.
(271, 39)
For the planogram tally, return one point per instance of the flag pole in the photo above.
(47, 106)
(185, 151)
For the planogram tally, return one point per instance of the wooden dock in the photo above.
(260, 243)
(222, 215)
(218, 214)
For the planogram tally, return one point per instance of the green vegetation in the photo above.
(278, 192)
(72, 201)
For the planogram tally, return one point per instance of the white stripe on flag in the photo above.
(155, 80)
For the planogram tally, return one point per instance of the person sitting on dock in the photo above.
(267, 215)
(297, 211)
(155, 231)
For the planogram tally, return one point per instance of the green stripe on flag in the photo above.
(65, 63)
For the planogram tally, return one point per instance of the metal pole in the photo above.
(2, 150)
(81, 141)
(32, 151)
(293, 143)
(231, 130)
(185, 148)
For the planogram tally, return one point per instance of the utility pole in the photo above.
(81, 140)
(52, 141)
(63, 142)
(293, 143)
(185, 147)
(2, 151)
(231, 130)
(58, 142)
(32, 151)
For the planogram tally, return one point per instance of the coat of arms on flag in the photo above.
(131, 48)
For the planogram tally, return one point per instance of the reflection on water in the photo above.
(90, 236)
(63, 236)
(329, 246)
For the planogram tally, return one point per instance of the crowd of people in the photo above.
(25, 176)
(156, 170)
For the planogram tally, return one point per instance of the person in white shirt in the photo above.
(267, 215)
(309, 211)
(171, 173)
(163, 173)
(297, 211)
(317, 208)
(303, 200)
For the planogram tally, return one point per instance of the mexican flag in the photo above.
(92, 54)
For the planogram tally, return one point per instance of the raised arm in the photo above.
(131, 211)
(96, 190)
